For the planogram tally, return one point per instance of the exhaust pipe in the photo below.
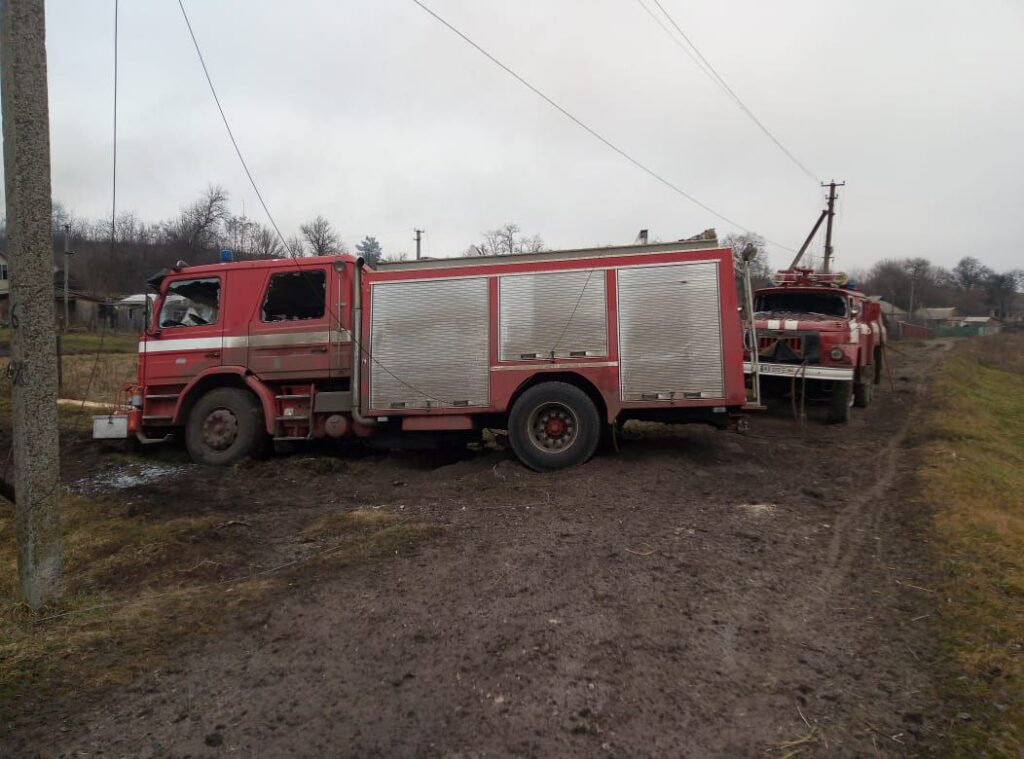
(357, 344)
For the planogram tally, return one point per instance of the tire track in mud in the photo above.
(863, 516)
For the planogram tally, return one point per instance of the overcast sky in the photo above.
(373, 114)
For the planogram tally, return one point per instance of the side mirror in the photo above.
(854, 309)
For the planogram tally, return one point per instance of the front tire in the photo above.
(840, 403)
(863, 392)
(225, 426)
(554, 425)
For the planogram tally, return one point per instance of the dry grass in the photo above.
(92, 377)
(366, 533)
(132, 584)
(136, 585)
(975, 474)
(97, 377)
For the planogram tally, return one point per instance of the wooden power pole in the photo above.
(33, 368)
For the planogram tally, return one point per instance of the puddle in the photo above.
(126, 476)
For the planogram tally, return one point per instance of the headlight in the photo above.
(836, 354)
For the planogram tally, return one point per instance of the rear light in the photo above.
(836, 354)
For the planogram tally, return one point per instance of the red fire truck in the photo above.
(817, 337)
(555, 347)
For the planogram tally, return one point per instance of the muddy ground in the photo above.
(698, 593)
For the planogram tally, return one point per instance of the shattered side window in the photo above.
(295, 295)
(191, 303)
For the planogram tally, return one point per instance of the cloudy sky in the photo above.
(377, 116)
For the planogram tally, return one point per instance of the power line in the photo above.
(227, 126)
(717, 78)
(677, 41)
(593, 133)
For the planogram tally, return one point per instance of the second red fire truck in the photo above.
(554, 347)
(818, 338)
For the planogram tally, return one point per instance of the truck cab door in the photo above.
(188, 335)
(290, 333)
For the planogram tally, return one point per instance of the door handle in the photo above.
(320, 349)
(212, 354)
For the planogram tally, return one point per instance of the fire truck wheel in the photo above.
(554, 425)
(840, 404)
(224, 426)
(863, 393)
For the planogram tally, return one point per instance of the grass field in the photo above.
(84, 342)
(975, 476)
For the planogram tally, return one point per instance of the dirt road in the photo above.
(699, 593)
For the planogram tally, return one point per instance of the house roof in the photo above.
(890, 309)
(977, 319)
(937, 313)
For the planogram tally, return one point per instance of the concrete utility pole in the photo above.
(33, 368)
(827, 263)
(419, 239)
(67, 270)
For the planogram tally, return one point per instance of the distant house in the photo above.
(84, 309)
(936, 317)
(890, 311)
(970, 326)
(132, 311)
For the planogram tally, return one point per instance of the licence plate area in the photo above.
(110, 427)
(833, 373)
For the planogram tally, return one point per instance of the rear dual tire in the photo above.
(554, 425)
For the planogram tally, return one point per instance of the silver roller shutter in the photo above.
(564, 312)
(670, 332)
(429, 342)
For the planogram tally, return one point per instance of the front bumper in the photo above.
(808, 371)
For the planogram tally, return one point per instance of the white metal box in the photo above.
(110, 427)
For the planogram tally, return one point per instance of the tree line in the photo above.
(116, 259)
(971, 287)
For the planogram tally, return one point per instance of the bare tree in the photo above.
(198, 225)
(295, 246)
(266, 243)
(1002, 290)
(505, 241)
(970, 273)
(760, 270)
(321, 236)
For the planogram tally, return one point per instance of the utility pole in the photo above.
(67, 268)
(827, 263)
(33, 367)
(419, 239)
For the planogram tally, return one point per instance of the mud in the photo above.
(698, 593)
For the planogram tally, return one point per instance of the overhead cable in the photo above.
(717, 78)
(593, 133)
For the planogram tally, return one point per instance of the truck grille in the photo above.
(769, 344)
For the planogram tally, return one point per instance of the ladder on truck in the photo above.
(750, 341)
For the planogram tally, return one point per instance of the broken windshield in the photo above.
(792, 303)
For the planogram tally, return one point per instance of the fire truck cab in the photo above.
(555, 347)
(816, 330)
